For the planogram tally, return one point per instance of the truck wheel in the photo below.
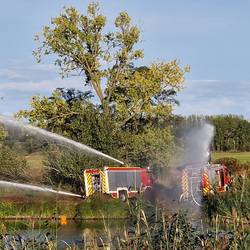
(123, 196)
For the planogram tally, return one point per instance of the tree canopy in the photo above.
(134, 100)
(106, 60)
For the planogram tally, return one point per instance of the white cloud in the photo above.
(210, 97)
(44, 67)
(20, 81)
(11, 74)
(204, 81)
(39, 78)
(24, 72)
(206, 106)
(17, 95)
(42, 86)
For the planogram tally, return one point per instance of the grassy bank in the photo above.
(35, 162)
(241, 156)
(96, 207)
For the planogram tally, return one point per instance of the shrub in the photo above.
(232, 164)
(228, 161)
(66, 168)
(236, 199)
(12, 165)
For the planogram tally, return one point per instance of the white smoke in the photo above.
(197, 144)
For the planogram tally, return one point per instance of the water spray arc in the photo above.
(56, 138)
(36, 188)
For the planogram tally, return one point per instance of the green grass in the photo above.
(99, 206)
(95, 207)
(241, 156)
(35, 162)
(36, 159)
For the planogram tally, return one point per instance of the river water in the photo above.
(75, 233)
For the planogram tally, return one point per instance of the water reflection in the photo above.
(76, 233)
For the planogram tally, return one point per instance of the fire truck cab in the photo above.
(119, 182)
(215, 176)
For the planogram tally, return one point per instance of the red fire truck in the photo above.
(200, 182)
(215, 176)
(119, 182)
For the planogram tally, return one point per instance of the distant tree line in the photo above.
(232, 132)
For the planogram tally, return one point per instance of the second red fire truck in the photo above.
(199, 182)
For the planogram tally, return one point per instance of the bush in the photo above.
(12, 165)
(228, 161)
(102, 205)
(232, 164)
(66, 168)
(236, 199)
(245, 169)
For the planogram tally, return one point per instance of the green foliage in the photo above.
(97, 207)
(161, 231)
(232, 164)
(235, 201)
(153, 146)
(81, 44)
(36, 209)
(51, 112)
(232, 133)
(12, 165)
(102, 206)
(70, 113)
(3, 133)
(66, 168)
(135, 102)
(147, 92)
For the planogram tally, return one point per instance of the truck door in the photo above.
(222, 179)
(93, 181)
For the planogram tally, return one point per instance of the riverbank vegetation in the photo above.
(30, 206)
(154, 230)
(126, 111)
(235, 203)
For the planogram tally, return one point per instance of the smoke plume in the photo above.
(197, 143)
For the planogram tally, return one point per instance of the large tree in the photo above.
(134, 101)
(106, 60)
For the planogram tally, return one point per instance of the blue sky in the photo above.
(212, 37)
